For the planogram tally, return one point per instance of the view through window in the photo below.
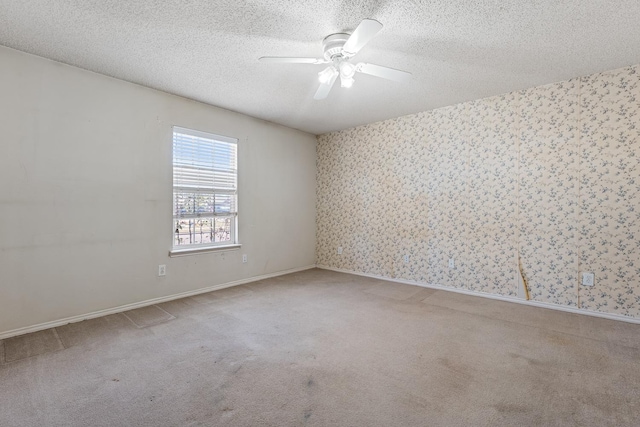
(204, 189)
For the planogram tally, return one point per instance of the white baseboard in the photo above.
(126, 307)
(492, 296)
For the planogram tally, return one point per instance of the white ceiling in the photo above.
(208, 50)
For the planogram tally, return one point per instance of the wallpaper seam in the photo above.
(579, 204)
(467, 213)
(518, 220)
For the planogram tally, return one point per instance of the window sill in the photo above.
(203, 250)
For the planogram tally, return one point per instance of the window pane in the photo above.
(197, 231)
(192, 203)
(225, 203)
(203, 204)
(223, 229)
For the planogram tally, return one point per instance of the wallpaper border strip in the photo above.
(127, 307)
(492, 296)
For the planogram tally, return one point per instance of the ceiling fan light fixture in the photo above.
(326, 76)
(346, 81)
(347, 70)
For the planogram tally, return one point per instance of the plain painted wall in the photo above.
(85, 199)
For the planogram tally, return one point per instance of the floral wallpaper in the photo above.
(542, 183)
(609, 204)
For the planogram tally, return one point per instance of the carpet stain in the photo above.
(310, 383)
(530, 361)
(307, 414)
(558, 340)
(457, 376)
(455, 367)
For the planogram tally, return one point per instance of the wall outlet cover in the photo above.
(588, 279)
(244, 258)
(452, 263)
(162, 270)
(339, 250)
(406, 259)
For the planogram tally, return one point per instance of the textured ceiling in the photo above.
(208, 50)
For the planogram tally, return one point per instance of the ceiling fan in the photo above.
(339, 48)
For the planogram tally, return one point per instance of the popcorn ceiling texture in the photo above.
(546, 177)
(457, 50)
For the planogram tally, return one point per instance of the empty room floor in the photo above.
(325, 348)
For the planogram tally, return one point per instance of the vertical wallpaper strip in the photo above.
(446, 195)
(412, 225)
(580, 195)
(551, 173)
(492, 199)
(549, 191)
(521, 286)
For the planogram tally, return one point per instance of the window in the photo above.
(205, 180)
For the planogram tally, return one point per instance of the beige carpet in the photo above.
(322, 348)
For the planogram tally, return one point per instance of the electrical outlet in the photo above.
(588, 279)
(339, 250)
(162, 270)
(452, 263)
(406, 259)
(244, 258)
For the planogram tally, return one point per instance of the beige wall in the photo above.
(548, 178)
(85, 193)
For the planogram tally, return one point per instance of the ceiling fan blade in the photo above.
(367, 29)
(325, 88)
(384, 72)
(285, 60)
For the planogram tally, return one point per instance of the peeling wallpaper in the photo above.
(547, 179)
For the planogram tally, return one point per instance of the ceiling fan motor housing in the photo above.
(333, 44)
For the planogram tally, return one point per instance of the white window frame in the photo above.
(233, 243)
